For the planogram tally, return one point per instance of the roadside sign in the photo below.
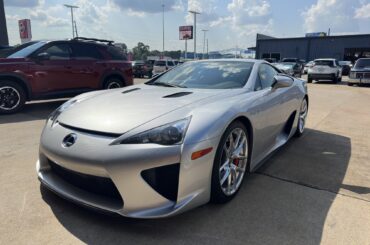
(186, 32)
(25, 30)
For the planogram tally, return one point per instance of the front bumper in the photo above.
(321, 76)
(359, 80)
(121, 167)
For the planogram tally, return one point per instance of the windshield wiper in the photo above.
(168, 85)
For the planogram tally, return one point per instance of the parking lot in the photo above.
(315, 189)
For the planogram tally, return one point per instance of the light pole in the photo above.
(204, 42)
(71, 7)
(163, 28)
(195, 31)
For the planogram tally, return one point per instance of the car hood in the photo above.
(121, 110)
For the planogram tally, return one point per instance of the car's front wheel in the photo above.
(12, 97)
(302, 118)
(113, 83)
(230, 164)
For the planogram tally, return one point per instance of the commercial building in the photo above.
(346, 47)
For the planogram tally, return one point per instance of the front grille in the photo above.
(97, 185)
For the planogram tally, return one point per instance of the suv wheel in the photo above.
(12, 97)
(113, 83)
(309, 79)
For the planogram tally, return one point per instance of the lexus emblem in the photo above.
(69, 140)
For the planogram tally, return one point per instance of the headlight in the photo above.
(168, 134)
(55, 114)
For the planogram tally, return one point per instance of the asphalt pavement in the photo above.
(314, 190)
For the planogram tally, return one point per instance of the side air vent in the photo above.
(130, 90)
(175, 95)
(164, 180)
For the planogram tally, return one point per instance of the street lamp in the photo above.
(163, 27)
(71, 7)
(195, 31)
(204, 41)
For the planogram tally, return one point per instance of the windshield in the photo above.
(324, 63)
(285, 66)
(160, 63)
(208, 75)
(362, 63)
(27, 50)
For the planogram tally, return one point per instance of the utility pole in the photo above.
(163, 28)
(207, 49)
(195, 32)
(3, 31)
(71, 7)
(204, 42)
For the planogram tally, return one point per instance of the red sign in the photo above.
(25, 30)
(186, 32)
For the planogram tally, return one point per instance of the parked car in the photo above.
(187, 137)
(346, 67)
(360, 73)
(149, 67)
(294, 60)
(161, 66)
(51, 69)
(325, 69)
(139, 68)
(307, 66)
(290, 68)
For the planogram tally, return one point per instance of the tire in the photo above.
(112, 83)
(302, 118)
(309, 80)
(340, 79)
(350, 84)
(12, 97)
(335, 80)
(233, 169)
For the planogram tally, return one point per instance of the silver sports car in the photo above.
(186, 137)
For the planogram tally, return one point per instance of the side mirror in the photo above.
(282, 81)
(43, 56)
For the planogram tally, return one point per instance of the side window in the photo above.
(266, 75)
(116, 53)
(58, 52)
(86, 51)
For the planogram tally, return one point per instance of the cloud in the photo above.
(334, 14)
(363, 12)
(47, 18)
(21, 3)
(207, 8)
(140, 8)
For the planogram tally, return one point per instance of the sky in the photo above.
(231, 23)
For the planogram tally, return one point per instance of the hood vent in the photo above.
(130, 90)
(175, 95)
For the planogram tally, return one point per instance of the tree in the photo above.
(141, 51)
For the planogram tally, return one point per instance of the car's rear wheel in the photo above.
(113, 83)
(12, 97)
(302, 118)
(230, 164)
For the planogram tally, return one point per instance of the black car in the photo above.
(138, 68)
(346, 67)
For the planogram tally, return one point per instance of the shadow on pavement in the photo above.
(32, 111)
(279, 204)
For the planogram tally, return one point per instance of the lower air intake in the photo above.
(164, 180)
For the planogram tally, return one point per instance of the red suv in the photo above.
(52, 69)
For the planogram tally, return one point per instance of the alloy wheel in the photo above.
(234, 160)
(302, 116)
(113, 85)
(9, 98)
